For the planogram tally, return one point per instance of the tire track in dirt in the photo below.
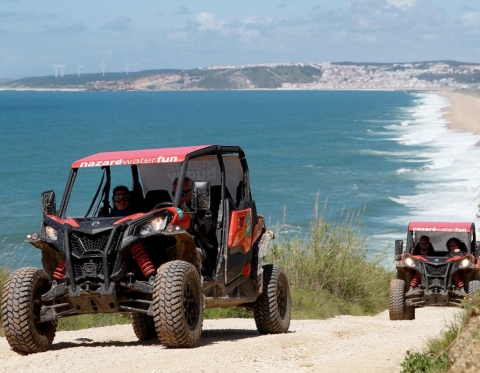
(370, 344)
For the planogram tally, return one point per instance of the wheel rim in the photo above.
(190, 305)
(282, 300)
(36, 306)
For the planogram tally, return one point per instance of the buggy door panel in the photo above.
(239, 244)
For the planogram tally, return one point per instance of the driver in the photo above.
(424, 247)
(121, 201)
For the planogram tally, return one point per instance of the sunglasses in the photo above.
(184, 192)
(452, 245)
(121, 197)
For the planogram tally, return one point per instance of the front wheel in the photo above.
(473, 287)
(272, 309)
(396, 300)
(178, 304)
(143, 326)
(21, 304)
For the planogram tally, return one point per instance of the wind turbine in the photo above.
(56, 71)
(103, 66)
(78, 68)
(134, 66)
(126, 66)
(61, 69)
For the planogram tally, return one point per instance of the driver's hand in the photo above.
(187, 211)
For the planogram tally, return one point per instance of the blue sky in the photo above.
(34, 35)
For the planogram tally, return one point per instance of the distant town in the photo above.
(430, 75)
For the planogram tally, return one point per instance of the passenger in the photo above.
(202, 220)
(201, 224)
(121, 201)
(424, 247)
(455, 246)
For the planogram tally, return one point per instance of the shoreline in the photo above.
(463, 113)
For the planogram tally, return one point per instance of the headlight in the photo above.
(51, 232)
(155, 225)
(410, 262)
(464, 263)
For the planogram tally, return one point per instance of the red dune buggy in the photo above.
(151, 263)
(442, 273)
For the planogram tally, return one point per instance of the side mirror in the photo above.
(201, 195)
(398, 249)
(49, 205)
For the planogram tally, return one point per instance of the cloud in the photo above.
(28, 16)
(403, 4)
(182, 10)
(177, 36)
(470, 21)
(76, 28)
(207, 21)
(119, 24)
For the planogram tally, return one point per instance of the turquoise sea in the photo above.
(386, 154)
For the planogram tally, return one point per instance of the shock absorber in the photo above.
(60, 271)
(457, 280)
(415, 280)
(142, 259)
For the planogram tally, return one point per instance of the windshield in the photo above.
(88, 182)
(155, 183)
(439, 239)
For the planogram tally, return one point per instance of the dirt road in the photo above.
(342, 344)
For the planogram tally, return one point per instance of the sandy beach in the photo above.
(464, 112)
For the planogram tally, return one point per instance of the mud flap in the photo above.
(259, 254)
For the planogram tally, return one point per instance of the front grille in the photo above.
(81, 243)
(440, 270)
(90, 269)
(88, 253)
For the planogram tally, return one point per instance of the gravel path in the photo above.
(341, 344)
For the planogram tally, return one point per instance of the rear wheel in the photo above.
(178, 304)
(143, 326)
(21, 306)
(473, 287)
(396, 300)
(409, 312)
(272, 309)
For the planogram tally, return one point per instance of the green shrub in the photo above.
(335, 258)
(93, 321)
(435, 359)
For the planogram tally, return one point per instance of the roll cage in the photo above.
(439, 233)
(154, 170)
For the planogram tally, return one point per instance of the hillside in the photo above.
(435, 75)
(197, 79)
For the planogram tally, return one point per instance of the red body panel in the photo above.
(469, 256)
(129, 217)
(132, 157)
(440, 226)
(68, 221)
(240, 230)
(179, 218)
(257, 230)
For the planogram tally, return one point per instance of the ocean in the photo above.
(386, 156)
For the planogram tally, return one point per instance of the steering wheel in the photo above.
(162, 204)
